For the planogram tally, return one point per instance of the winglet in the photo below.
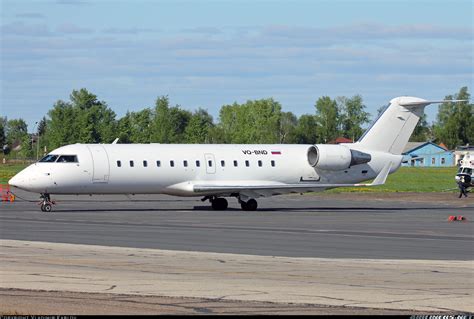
(382, 177)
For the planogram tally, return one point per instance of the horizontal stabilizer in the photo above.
(424, 102)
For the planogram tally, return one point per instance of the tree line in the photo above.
(85, 119)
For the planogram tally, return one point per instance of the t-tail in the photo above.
(394, 126)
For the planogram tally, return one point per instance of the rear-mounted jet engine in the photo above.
(335, 157)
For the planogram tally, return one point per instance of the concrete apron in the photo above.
(427, 285)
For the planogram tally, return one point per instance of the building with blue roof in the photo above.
(427, 154)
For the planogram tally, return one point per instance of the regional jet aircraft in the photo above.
(216, 171)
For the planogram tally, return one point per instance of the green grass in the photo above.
(7, 171)
(412, 179)
(406, 179)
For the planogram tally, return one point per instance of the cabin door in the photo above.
(210, 163)
(100, 160)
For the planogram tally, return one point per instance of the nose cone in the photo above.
(18, 181)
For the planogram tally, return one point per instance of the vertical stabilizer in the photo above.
(392, 130)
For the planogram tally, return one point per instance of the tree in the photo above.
(253, 122)
(327, 117)
(16, 130)
(306, 131)
(42, 126)
(169, 123)
(352, 116)
(96, 120)
(124, 129)
(3, 124)
(422, 131)
(455, 121)
(62, 125)
(83, 120)
(288, 123)
(199, 127)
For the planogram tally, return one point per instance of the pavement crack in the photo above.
(111, 287)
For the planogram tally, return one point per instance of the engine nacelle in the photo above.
(335, 157)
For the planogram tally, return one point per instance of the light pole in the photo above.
(37, 141)
(37, 146)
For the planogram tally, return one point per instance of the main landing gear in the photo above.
(249, 205)
(219, 203)
(46, 203)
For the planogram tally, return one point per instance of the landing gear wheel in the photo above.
(250, 205)
(220, 204)
(46, 203)
(46, 207)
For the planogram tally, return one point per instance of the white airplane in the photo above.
(216, 171)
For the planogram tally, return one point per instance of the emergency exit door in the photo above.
(210, 163)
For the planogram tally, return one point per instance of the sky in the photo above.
(205, 54)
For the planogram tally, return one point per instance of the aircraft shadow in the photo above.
(272, 209)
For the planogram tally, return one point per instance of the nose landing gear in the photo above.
(46, 203)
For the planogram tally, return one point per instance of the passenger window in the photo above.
(209, 163)
(67, 159)
(247, 163)
(131, 163)
(222, 163)
(185, 163)
(198, 164)
(158, 163)
(172, 163)
(119, 164)
(145, 164)
(49, 159)
(259, 163)
(273, 163)
(235, 164)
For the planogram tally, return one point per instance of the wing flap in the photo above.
(268, 188)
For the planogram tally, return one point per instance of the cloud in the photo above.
(72, 2)
(129, 30)
(367, 32)
(293, 64)
(203, 30)
(30, 15)
(73, 29)
(22, 29)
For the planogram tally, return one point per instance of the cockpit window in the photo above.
(67, 159)
(49, 159)
(467, 171)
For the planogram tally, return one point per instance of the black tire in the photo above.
(42, 208)
(220, 204)
(250, 205)
(47, 208)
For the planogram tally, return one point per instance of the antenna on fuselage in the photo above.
(115, 141)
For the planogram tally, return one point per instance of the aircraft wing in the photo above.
(276, 188)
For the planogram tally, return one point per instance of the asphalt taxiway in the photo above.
(292, 226)
(389, 251)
